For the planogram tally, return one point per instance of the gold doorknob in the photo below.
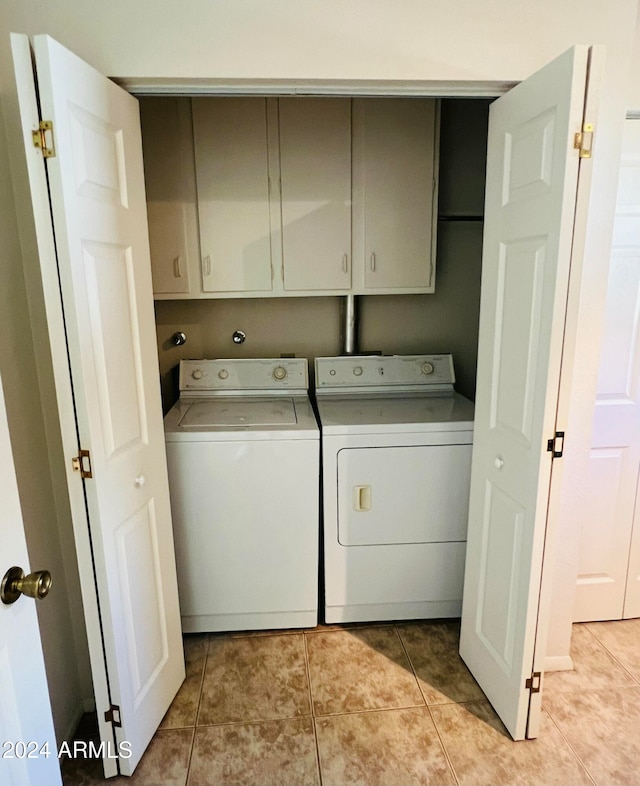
(15, 583)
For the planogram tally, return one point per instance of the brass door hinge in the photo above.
(112, 715)
(583, 141)
(82, 464)
(555, 446)
(534, 682)
(43, 138)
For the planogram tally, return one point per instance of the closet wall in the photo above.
(446, 321)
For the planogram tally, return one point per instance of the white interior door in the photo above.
(532, 172)
(610, 493)
(99, 215)
(28, 752)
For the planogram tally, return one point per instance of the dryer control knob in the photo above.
(197, 374)
(223, 373)
(279, 372)
(427, 368)
(357, 371)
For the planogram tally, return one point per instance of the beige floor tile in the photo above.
(594, 668)
(602, 726)
(254, 678)
(184, 708)
(622, 639)
(433, 651)
(273, 753)
(360, 669)
(483, 754)
(165, 763)
(385, 748)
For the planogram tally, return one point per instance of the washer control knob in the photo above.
(427, 368)
(223, 373)
(357, 371)
(197, 374)
(279, 372)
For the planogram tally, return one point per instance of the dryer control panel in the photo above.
(244, 375)
(374, 372)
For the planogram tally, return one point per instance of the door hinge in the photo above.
(112, 715)
(583, 141)
(43, 138)
(534, 682)
(555, 446)
(82, 464)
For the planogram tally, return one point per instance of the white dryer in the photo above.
(396, 447)
(243, 457)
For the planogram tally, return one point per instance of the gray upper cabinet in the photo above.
(395, 150)
(232, 171)
(171, 196)
(255, 197)
(315, 173)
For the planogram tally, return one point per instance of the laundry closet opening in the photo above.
(427, 306)
(265, 216)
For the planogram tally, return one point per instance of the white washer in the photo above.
(243, 456)
(396, 446)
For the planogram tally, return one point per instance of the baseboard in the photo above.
(558, 663)
(73, 723)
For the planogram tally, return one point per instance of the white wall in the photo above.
(323, 39)
(494, 41)
(633, 102)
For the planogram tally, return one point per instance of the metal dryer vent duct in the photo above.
(349, 325)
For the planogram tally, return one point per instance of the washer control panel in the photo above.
(394, 371)
(246, 374)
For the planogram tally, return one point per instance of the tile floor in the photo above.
(385, 705)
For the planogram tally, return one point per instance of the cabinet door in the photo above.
(394, 185)
(315, 166)
(230, 136)
(170, 183)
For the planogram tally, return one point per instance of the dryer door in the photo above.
(410, 494)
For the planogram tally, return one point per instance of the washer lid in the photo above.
(239, 412)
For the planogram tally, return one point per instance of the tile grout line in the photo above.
(443, 746)
(367, 710)
(313, 717)
(195, 719)
(413, 670)
(445, 753)
(570, 746)
(612, 655)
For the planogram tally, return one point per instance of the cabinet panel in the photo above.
(171, 194)
(394, 191)
(230, 136)
(315, 171)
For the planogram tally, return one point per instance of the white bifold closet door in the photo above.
(532, 186)
(98, 213)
